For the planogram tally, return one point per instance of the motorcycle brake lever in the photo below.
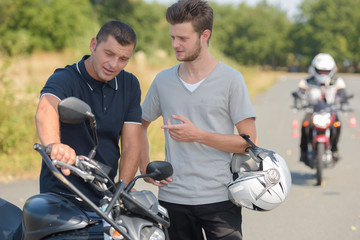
(84, 175)
(84, 163)
(79, 163)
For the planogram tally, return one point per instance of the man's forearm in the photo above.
(225, 142)
(47, 123)
(129, 163)
(144, 147)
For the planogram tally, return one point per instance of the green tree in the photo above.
(328, 26)
(147, 20)
(253, 35)
(28, 25)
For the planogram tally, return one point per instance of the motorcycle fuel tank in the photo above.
(46, 214)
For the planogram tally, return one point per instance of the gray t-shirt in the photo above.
(220, 101)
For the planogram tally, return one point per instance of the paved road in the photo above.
(329, 212)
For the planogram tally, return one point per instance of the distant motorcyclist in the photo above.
(322, 86)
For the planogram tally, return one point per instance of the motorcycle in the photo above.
(319, 128)
(122, 214)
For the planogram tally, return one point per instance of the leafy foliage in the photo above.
(147, 20)
(328, 26)
(260, 35)
(28, 25)
(252, 36)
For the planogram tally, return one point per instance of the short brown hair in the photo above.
(121, 31)
(198, 12)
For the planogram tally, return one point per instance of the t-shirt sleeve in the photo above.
(240, 104)
(151, 106)
(59, 84)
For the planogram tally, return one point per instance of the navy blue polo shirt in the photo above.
(112, 103)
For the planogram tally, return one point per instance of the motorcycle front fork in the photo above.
(323, 137)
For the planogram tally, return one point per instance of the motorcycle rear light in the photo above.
(337, 124)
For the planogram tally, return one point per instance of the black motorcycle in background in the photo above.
(122, 214)
(320, 130)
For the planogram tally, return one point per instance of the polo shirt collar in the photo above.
(92, 83)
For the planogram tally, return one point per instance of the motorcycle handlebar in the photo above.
(310, 108)
(337, 106)
(102, 177)
(120, 192)
(42, 150)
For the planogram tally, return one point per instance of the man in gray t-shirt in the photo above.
(201, 101)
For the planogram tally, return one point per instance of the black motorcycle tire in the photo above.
(319, 162)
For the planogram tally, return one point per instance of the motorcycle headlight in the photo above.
(157, 235)
(152, 233)
(321, 120)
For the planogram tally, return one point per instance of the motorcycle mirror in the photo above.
(159, 170)
(73, 110)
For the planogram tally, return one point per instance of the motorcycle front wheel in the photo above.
(320, 155)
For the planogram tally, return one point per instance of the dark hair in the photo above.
(121, 31)
(198, 12)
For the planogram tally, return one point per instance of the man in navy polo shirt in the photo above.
(114, 97)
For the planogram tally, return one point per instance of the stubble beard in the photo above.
(193, 56)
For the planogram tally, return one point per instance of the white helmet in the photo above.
(263, 182)
(323, 68)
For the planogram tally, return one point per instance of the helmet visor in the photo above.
(322, 72)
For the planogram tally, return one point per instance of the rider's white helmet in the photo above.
(263, 181)
(323, 68)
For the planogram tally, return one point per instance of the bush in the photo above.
(17, 130)
(28, 25)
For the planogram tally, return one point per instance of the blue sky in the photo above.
(290, 6)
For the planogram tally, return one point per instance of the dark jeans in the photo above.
(219, 220)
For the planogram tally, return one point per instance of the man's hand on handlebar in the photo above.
(63, 153)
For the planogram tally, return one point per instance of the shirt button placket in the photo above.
(104, 97)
